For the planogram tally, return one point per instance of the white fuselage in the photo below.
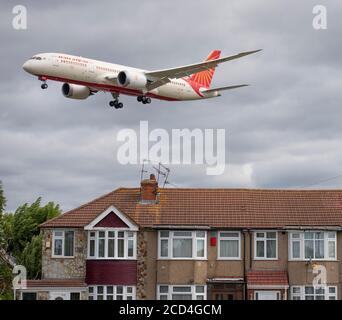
(100, 76)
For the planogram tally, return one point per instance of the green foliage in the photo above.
(2, 199)
(26, 221)
(20, 236)
(6, 231)
(6, 292)
(31, 257)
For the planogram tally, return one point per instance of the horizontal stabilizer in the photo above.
(225, 88)
(160, 77)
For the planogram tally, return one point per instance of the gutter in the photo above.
(183, 227)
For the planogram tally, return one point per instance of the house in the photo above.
(156, 243)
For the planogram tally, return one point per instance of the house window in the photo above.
(265, 245)
(312, 245)
(181, 292)
(314, 293)
(111, 244)
(229, 245)
(63, 243)
(75, 296)
(29, 296)
(111, 293)
(182, 244)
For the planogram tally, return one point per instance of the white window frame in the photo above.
(265, 241)
(302, 246)
(116, 231)
(277, 292)
(63, 242)
(219, 257)
(193, 238)
(302, 295)
(124, 294)
(192, 291)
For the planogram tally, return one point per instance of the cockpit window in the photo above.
(36, 58)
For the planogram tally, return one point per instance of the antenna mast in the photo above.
(162, 171)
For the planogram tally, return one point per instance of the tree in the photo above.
(26, 221)
(2, 199)
(6, 292)
(6, 231)
(21, 238)
(31, 257)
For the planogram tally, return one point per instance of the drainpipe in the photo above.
(250, 249)
(244, 265)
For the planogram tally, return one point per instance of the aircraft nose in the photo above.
(27, 66)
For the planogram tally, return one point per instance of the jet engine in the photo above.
(75, 91)
(132, 79)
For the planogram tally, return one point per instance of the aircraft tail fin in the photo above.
(204, 77)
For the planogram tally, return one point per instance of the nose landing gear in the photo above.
(44, 84)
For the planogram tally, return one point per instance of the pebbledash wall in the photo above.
(66, 267)
(148, 210)
(150, 270)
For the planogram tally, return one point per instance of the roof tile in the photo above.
(225, 208)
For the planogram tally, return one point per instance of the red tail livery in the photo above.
(204, 77)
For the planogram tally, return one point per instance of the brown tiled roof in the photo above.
(240, 208)
(56, 283)
(267, 277)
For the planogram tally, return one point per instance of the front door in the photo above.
(232, 291)
(223, 296)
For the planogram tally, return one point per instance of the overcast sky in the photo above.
(284, 131)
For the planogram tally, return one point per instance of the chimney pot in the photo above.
(149, 189)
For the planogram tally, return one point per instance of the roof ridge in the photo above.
(245, 189)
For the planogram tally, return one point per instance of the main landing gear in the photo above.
(144, 99)
(115, 103)
(44, 84)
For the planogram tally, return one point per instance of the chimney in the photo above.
(149, 190)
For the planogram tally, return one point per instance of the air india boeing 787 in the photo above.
(83, 77)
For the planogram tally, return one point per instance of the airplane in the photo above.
(84, 77)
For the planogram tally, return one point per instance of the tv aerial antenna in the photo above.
(143, 170)
(163, 172)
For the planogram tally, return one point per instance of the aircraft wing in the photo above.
(111, 77)
(225, 88)
(158, 78)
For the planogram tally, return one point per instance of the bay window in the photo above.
(111, 292)
(63, 243)
(312, 245)
(314, 293)
(181, 292)
(229, 245)
(265, 245)
(112, 244)
(182, 244)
